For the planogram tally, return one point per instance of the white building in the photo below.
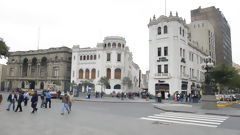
(175, 62)
(111, 59)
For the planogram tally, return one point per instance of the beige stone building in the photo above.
(39, 69)
(3, 71)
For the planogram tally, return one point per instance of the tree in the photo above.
(225, 76)
(3, 49)
(104, 82)
(127, 83)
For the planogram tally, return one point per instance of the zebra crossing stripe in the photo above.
(206, 116)
(189, 119)
(186, 120)
(179, 122)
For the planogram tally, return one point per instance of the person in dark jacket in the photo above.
(12, 98)
(34, 101)
(20, 100)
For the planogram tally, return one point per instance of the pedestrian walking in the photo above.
(12, 98)
(70, 100)
(102, 94)
(122, 95)
(48, 99)
(19, 101)
(65, 101)
(159, 97)
(43, 99)
(34, 101)
(186, 97)
(26, 98)
(169, 98)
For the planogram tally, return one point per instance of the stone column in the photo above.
(29, 69)
(20, 70)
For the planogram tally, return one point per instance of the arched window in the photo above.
(88, 57)
(123, 45)
(180, 30)
(159, 31)
(41, 85)
(23, 85)
(165, 29)
(117, 74)
(80, 74)
(105, 45)
(25, 67)
(117, 86)
(95, 57)
(109, 45)
(93, 75)
(91, 57)
(108, 87)
(87, 74)
(108, 73)
(114, 45)
(119, 45)
(84, 57)
(80, 57)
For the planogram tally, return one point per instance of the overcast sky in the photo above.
(87, 22)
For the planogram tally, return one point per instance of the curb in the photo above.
(166, 110)
(110, 101)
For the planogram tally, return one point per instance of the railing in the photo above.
(162, 75)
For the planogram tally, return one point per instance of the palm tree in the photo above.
(127, 83)
(3, 49)
(104, 82)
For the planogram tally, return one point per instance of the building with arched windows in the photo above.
(111, 59)
(177, 51)
(39, 69)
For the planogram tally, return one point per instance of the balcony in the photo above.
(185, 76)
(194, 78)
(162, 75)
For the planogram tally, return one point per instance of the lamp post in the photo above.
(208, 100)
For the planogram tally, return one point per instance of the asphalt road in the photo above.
(97, 118)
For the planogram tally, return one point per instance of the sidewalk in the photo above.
(196, 108)
(113, 100)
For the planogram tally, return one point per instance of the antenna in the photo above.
(38, 38)
(165, 7)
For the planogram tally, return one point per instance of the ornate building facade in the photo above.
(39, 69)
(111, 59)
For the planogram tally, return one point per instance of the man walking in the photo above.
(65, 101)
(12, 98)
(48, 99)
(20, 100)
(159, 97)
(26, 98)
(34, 101)
(70, 100)
(43, 98)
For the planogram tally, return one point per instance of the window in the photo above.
(119, 45)
(159, 51)
(183, 32)
(159, 68)
(93, 75)
(108, 73)
(165, 51)
(159, 30)
(165, 29)
(109, 45)
(114, 45)
(119, 57)
(108, 56)
(55, 71)
(180, 31)
(190, 56)
(80, 74)
(80, 57)
(91, 57)
(183, 53)
(117, 86)
(117, 74)
(181, 70)
(180, 52)
(84, 57)
(105, 45)
(88, 57)
(123, 45)
(95, 57)
(165, 68)
(87, 74)
(11, 72)
(108, 87)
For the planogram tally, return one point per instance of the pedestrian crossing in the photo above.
(188, 119)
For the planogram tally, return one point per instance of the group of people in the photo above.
(20, 96)
(180, 97)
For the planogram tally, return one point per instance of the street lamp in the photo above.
(208, 66)
(208, 99)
